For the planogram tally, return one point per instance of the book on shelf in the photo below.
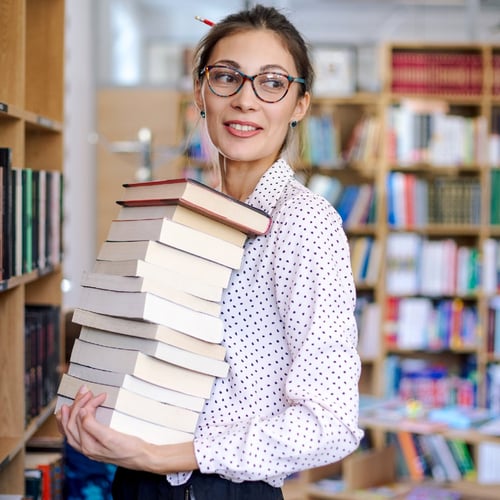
(198, 197)
(134, 404)
(177, 236)
(183, 215)
(165, 290)
(128, 424)
(135, 384)
(148, 271)
(147, 330)
(50, 464)
(160, 350)
(143, 366)
(7, 250)
(170, 258)
(149, 307)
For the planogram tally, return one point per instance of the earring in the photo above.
(293, 124)
(202, 113)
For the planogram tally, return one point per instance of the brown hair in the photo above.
(258, 17)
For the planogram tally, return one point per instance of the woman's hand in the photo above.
(98, 442)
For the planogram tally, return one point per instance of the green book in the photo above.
(27, 187)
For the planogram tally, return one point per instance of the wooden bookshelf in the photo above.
(31, 116)
(470, 90)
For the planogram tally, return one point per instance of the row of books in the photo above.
(414, 201)
(432, 456)
(44, 475)
(418, 265)
(418, 323)
(151, 332)
(431, 382)
(437, 72)
(42, 364)
(322, 142)
(424, 132)
(31, 218)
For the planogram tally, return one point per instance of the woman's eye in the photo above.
(274, 83)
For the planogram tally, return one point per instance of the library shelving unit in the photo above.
(436, 196)
(31, 115)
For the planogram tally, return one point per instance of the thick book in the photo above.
(144, 329)
(132, 403)
(142, 366)
(159, 350)
(148, 271)
(177, 236)
(135, 384)
(186, 216)
(164, 290)
(170, 258)
(149, 307)
(148, 431)
(201, 198)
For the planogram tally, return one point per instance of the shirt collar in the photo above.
(268, 191)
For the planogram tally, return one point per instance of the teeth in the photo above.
(243, 128)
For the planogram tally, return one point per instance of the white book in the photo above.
(148, 431)
(149, 307)
(159, 350)
(134, 404)
(164, 290)
(142, 366)
(140, 268)
(137, 385)
(144, 329)
(170, 258)
(178, 236)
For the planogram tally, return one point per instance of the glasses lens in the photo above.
(224, 81)
(271, 87)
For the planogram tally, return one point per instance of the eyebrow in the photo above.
(267, 67)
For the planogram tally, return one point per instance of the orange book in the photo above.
(410, 455)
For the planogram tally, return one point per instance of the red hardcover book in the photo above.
(200, 198)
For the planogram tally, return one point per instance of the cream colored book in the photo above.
(133, 426)
(164, 290)
(186, 216)
(142, 269)
(132, 403)
(137, 385)
(159, 350)
(148, 307)
(177, 236)
(144, 329)
(170, 258)
(142, 366)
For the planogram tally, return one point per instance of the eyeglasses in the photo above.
(270, 86)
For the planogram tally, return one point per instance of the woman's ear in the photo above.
(301, 107)
(197, 95)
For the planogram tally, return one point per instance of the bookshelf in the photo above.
(460, 84)
(31, 115)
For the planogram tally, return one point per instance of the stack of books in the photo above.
(149, 312)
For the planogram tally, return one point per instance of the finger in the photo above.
(81, 398)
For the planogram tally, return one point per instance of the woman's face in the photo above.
(242, 127)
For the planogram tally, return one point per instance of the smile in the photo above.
(242, 128)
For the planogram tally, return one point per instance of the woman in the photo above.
(290, 401)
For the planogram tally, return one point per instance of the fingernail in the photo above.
(83, 389)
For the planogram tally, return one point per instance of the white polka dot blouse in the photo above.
(290, 400)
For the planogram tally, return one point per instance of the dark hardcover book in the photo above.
(7, 250)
